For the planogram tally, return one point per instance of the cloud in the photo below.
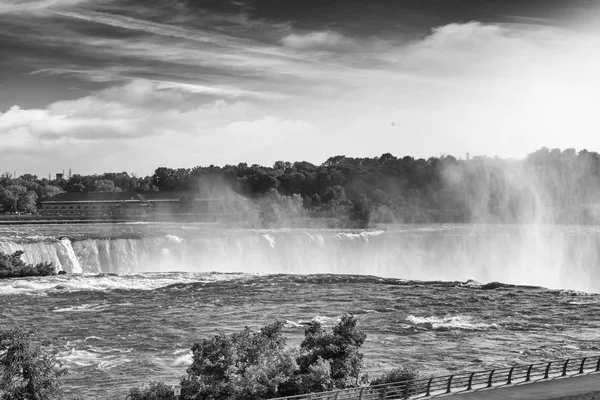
(188, 52)
(38, 6)
(474, 50)
(218, 91)
(484, 88)
(195, 34)
(325, 40)
(58, 123)
(137, 109)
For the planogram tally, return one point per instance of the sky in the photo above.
(133, 85)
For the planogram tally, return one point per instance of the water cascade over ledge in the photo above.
(556, 257)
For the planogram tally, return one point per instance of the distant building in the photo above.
(59, 176)
(132, 205)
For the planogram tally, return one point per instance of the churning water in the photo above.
(138, 295)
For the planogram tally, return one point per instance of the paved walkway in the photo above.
(574, 387)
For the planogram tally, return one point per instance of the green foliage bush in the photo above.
(246, 365)
(340, 347)
(28, 366)
(155, 391)
(398, 375)
(11, 266)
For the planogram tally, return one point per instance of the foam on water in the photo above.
(462, 322)
(184, 357)
(82, 308)
(100, 359)
(103, 283)
(323, 320)
(292, 324)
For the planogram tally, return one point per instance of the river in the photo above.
(137, 295)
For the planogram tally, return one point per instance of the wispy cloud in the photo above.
(204, 59)
(23, 7)
(325, 40)
(197, 35)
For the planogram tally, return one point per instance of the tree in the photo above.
(340, 348)
(246, 365)
(27, 202)
(334, 193)
(155, 391)
(398, 375)
(105, 185)
(12, 266)
(49, 191)
(28, 366)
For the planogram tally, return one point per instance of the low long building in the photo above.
(132, 205)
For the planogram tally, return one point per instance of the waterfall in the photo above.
(75, 266)
(551, 258)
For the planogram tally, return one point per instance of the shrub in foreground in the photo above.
(247, 365)
(401, 377)
(396, 375)
(11, 266)
(28, 366)
(341, 347)
(155, 391)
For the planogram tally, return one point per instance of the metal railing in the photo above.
(464, 381)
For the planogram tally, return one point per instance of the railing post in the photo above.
(509, 380)
(448, 389)
(547, 370)
(383, 392)
(528, 378)
(469, 385)
(337, 394)
(582, 365)
(429, 387)
(598, 365)
(564, 373)
(490, 378)
(360, 394)
(406, 390)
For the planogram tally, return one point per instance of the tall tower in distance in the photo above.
(70, 173)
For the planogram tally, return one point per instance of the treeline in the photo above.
(549, 186)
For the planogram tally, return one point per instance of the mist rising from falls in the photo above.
(555, 257)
